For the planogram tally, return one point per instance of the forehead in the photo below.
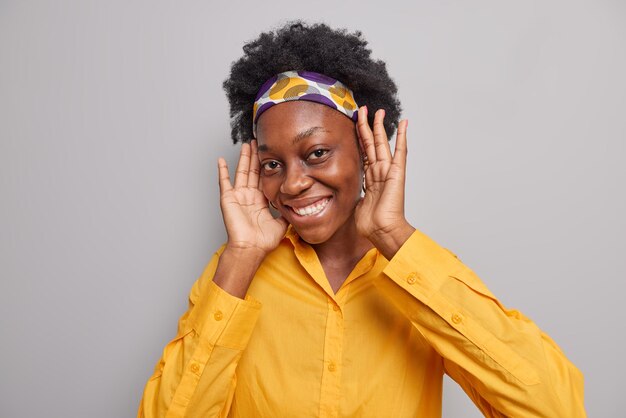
(290, 120)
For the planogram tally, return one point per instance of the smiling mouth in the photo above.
(312, 209)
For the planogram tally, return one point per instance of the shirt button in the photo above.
(195, 368)
(218, 315)
(411, 278)
(335, 308)
(332, 367)
(456, 318)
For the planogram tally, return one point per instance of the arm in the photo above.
(502, 360)
(196, 374)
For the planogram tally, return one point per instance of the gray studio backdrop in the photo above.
(112, 118)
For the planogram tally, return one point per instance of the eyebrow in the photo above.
(305, 134)
(299, 136)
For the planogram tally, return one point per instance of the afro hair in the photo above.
(300, 46)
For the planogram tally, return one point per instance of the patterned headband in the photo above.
(304, 85)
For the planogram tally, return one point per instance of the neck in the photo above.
(345, 248)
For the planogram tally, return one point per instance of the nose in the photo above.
(296, 180)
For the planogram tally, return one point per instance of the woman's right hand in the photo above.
(249, 223)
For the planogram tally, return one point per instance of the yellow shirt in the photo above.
(377, 348)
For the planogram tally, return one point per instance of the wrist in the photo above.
(252, 255)
(236, 269)
(389, 240)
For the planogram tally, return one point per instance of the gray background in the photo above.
(112, 117)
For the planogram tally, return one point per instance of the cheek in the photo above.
(349, 174)
(357, 179)
(269, 187)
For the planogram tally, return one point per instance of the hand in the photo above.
(380, 213)
(249, 223)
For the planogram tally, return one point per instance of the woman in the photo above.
(338, 307)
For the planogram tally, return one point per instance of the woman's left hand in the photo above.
(380, 213)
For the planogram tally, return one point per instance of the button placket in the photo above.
(195, 367)
(333, 352)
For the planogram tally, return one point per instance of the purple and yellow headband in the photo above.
(304, 85)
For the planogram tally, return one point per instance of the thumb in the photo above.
(283, 222)
(359, 203)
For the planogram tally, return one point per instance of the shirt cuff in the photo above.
(223, 319)
(421, 266)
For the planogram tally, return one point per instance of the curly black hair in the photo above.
(310, 47)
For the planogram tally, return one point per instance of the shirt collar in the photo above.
(292, 235)
(372, 262)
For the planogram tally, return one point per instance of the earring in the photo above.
(272, 205)
(363, 184)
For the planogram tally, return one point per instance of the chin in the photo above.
(314, 236)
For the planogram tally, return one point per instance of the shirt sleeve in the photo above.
(501, 359)
(196, 373)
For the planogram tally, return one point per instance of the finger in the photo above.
(255, 165)
(222, 175)
(243, 166)
(374, 180)
(401, 151)
(381, 143)
(366, 136)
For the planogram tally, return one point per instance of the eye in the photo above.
(270, 166)
(318, 153)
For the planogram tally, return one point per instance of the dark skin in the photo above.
(308, 154)
(309, 163)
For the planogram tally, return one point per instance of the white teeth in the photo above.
(312, 209)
